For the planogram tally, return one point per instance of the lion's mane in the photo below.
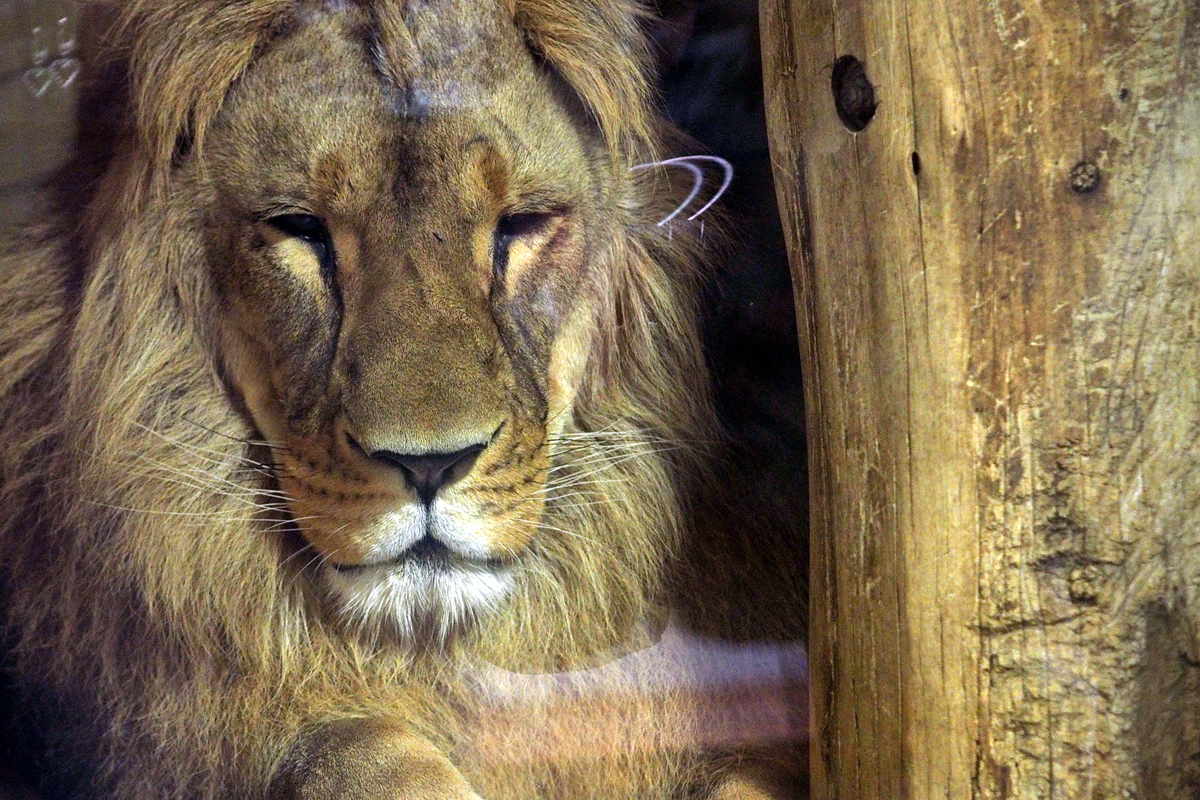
(147, 608)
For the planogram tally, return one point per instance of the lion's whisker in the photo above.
(220, 455)
(198, 515)
(298, 552)
(205, 482)
(542, 525)
(243, 440)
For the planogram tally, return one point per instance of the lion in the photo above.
(347, 360)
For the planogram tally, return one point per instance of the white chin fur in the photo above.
(416, 599)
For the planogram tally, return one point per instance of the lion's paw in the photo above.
(368, 760)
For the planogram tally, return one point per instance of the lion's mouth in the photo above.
(429, 553)
(427, 589)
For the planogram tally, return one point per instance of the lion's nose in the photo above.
(428, 472)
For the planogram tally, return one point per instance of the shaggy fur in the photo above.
(166, 628)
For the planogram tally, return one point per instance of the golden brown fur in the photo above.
(172, 630)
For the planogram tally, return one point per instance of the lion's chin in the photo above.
(419, 600)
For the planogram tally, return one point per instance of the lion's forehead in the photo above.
(453, 55)
(397, 116)
(431, 57)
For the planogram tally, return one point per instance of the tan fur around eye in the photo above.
(298, 258)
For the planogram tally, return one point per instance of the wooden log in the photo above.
(998, 290)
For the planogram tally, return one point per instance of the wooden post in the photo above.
(998, 290)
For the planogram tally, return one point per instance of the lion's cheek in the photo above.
(568, 362)
(246, 368)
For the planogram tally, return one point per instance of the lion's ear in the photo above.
(600, 49)
(181, 57)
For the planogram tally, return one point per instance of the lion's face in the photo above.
(403, 235)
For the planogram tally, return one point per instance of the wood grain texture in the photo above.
(1001, 337)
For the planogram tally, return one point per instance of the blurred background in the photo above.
(38, 67)
(711, 86)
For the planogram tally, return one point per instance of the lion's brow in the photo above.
(426, 52)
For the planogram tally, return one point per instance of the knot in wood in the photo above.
(1085, 177)
(853, 94)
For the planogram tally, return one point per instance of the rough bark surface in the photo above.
(998, 290)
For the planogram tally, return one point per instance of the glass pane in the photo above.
(38, 69)
(275, 454)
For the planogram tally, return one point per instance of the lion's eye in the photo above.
(511, 227)
(309, 228)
